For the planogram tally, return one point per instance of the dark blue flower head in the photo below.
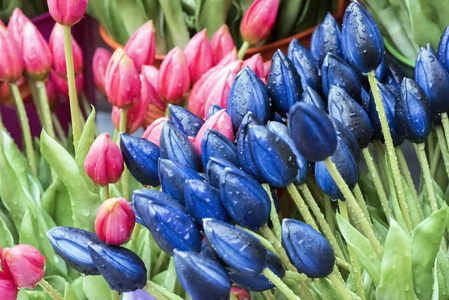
(305, 65)
(185, 121)
(362, 41)
(248, 93)
(214, 108)
(284, 83)
(216, 144)
(142, 196)
(141, 157)
(215, 168)
(311, 97)
(413, 114)
(122, 269)
(312, 131)
(307, 249)
(443, 49)
(346, 135)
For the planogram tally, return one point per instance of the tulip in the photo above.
(137, 295)
(232, 56)
(115, 221)
(215, 144)
(36, 53)
(15, 25)
(248, 93)
(255, 63)
(214, 108)
(220, 122)
(62, 86)
(305, 65)
(313, 98)
(185, 121)
(221, 43)
(240, 293)
(99, 64)
(443, 47)
(141, 46)
(284, 83)
(71, 245)
(104, 161)
(153, 132)
(312, 132)
(202, 278)
(362, 42)
(348, 138)
(151, 74)
(307, 249)
(25, 264)
(58, 52)
(122, 83)
(67, 12)
(215, 168)
(122, 269)
(239, 250)
(8, 288)
(140, 198)
(258, 20)
(351, 114)
(11, 61)
(198, 54)
(141, 157)
(326, 39)
(174, 78)
(53, 100)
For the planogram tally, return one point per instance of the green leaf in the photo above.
(6, 239)
(147, 249)
(96, 288)
(57, 282)
(424, 30)
(115, 27)
(435, 293)
(288, 13)
(56, 202)
(326, 289)
(170, 277)
(396, 281)
(69, 293)
(174, 19)
(211, 14)
(77, 286)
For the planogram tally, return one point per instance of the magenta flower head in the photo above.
(198, 53)
(174, 78)
(11, 61)
(153, 132)
(240, 293)
(58, 52)
(67, 12)
(16, 23)
(221, 43)
(8, 289)
(115, 221)
(36, 53)
(25, 264)
(122, 83)
(221, 122)
(255, 63)
(62, 85)
(259, 20)
(99, 65)
(104, 161)
(141, 47)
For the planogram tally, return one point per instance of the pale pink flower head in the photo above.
(141, 47)
(199, 55)
(221, 43)
(174, 77)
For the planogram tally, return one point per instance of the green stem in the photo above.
(367, 229)
(268, 295)
(232, 296)
(265, 242)
(105, 190)
(295, 276)
(390, 148)
(377, 182)
(159, 292)
(340, 286)
(125, 175)
(50, 290)
(431, 146)
(302, 207)
(115, 295)
(35, 96)
(45, 109)
(59, 130)
(74, 108)
(383, 167)
(268, 234)
(342, 263)
(435, 160)
(422, 157)
(243, 49)
(445, 122)
(273, 213)
(443, 147)
(361, 201)
(159, 262)
(25, 126)
(280, 284)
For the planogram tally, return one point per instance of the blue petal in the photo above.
(216, 144)
(185, 121)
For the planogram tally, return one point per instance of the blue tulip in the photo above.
(137, 295)
(185, 121)
(244, 198)
(260, 282)
(433, 78)
(176, 146)
(365, 101)
(248, 93)
(173, 176)
(336, 71)
(122, 269)
(361, 38)
(307, 249)
(311, 97)
(203, 201)
(413, 114)
(142, 196)
(214, 108)
(207, 251)
(383, 70)
(443, 49)
(215, 168)
(239, 250)
(170, 227)
(312, 131)
(202, 278)
(326, 39)
(343, 108)
(71, 245)
(216, 144)
(141, 158)
(284, 83)
(305, 65)
(388, 70)
(348, 137)
(393, 86)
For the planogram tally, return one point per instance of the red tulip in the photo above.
(11, 61)
(239, 293)
(221, 43)
(198, 53)
(67, 12)
(8, 289)
(141, 47)
(258, 20)
(174, 78)
(36, 53)
(99, 65)
(153, 132)
(58, 52)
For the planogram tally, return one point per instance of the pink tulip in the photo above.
(99, 65)
(267, 66)
(199, 55)
(63, 87)
(153, 132)
(58, 52)
(67, 12)
(174, 78)
(36, 53)
(221, 43)
(219, 121)
(239, 293)
(115, 221)
(255, 63)
(16, 24)
(229, 58)
(150, 78)
(8, 289)
(258, 20)
(11, 61)
(141, 47)
(53, 100)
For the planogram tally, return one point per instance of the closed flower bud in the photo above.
(232, 56)
(141, 198)
(311, 97)
(25, 264)
(221, 43)
(220, 122)
(255, 63)
(8, 288)
(11, 61)
(174, 78)
(104, 161)
(215, 144)
(240, 293)
(141, 46)
(153, 132)
(115, 221)
(214, 108)
(258, 20)
(53, 100)
(62, 85)
(348, 138)
(215, 168)
(185, 121)
(58, 52)
(443, 49)
(198, 54)
(305, 65)
(15, 25)
(150, 78)
(99, 65)
(67, 12)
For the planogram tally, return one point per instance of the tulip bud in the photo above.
(62, 85)
(305, 65)
(25, 264)
(53, 100)
(36, 53)
(185, 121)
(15, 25)
(214, 108)
(174, 78)
(311, 97)
(240, 293)
(348, 138)
(122, 83)
(8, 288)
(115, 221)
(99, 64)
(255, 63)
(11, 61)
(443, 49)
(150, 78)
(221, 43)
(215, 168)
(258, 20)
(229, 58)
(67, 12)
(58, 52)
(104, 161)
(215, 144)
(198, 54)
(153, 132)
(141, 46)
(220, 122)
